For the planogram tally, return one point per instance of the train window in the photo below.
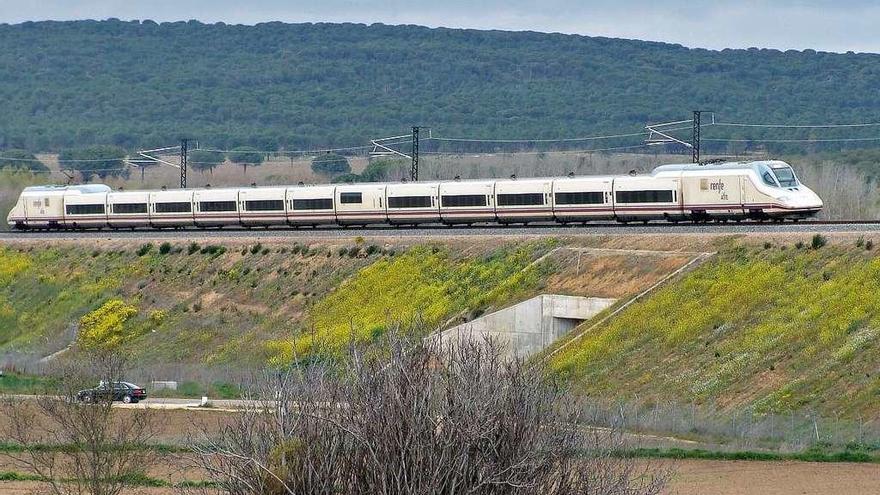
(580, 198)
(520, 199)
(459, 200)
(648, 196)
(768, 179)
(409, 201)
(175, 207)
(351, 197)
(264, 205)
(217, 206)
(785, 176)
(85, 209)
(313, 204)
(130, 208)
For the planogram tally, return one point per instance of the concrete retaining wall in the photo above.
(531, 326)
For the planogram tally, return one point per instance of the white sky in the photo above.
(839, 26)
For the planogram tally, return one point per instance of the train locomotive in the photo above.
(756, 190)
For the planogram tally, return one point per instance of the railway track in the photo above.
(441, 231)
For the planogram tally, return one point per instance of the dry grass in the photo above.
(592, 274)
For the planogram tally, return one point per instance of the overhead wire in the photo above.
(540, 140)
(796, 126)
(397, 141)
(550, 152)
(760, 140)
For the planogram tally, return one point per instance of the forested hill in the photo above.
(67, 84)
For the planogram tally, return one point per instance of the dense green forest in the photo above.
(287, 86)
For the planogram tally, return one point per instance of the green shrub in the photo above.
(213, 250)
(256, 248)
(206, 160)
(265, 251)
(189, 389)
(13, 476)
(21, 160)
(372, 249)
(95, 160)
(860, 242)
(144, 249)
(343, 251)
(225, 390)
(818, 241)
(246, 156)
(869, 245)
(193, 248)
(346, 179)
(330, 164)
(354, 251)
(165, 248)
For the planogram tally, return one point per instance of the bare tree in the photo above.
(77, 446)
(416, 418)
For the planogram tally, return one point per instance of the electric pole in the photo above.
(414, 171)
(183, 157)
(695, 140)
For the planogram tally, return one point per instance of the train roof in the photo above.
(682, 167)
(744, 165)
(82, 188)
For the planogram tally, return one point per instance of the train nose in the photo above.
(805, 199)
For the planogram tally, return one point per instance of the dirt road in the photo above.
(704, 478)
(774, 478)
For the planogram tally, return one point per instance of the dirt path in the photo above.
(703, 478)
(695, 477)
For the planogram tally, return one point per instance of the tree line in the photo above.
(277, 86)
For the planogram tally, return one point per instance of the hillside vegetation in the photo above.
(776, 328)
(767, 325)
(131, 84)
(245, 304)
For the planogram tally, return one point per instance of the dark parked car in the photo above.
(121, 391)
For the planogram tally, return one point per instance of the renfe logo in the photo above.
(717, 186)
(711, 186)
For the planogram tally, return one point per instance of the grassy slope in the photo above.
(427, 284)
(226, 306)
(770, 328)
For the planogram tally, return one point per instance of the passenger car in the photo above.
(116, 391)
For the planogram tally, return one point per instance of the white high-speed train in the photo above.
(759, 190)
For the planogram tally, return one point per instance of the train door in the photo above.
(715, 196)
(753, 200)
